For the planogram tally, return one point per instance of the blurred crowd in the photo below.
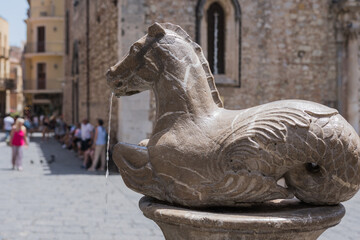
(87, 141)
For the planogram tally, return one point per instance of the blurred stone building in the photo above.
(6, 83)
(16, 95)
(43, 56)
(11, 82)
(259, 51)
(91, 46)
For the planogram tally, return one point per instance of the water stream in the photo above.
(107, 156)
(108, 139)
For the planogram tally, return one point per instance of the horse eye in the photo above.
(134, 49)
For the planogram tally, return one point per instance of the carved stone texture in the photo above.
(200, 154)
(284, 220)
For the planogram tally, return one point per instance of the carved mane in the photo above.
(204, 63)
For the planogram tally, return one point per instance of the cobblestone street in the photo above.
(60, 200)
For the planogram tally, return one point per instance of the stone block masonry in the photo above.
(288, 51)
(87, 60)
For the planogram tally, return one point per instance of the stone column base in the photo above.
(275, 220)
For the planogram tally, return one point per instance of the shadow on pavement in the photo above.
(6, 169)
(61, 161)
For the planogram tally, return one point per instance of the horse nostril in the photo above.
(109, 72)
(119, 84)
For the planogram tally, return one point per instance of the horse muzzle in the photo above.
(117, 86)
(115, 83)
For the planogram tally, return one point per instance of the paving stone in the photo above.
(62, 201)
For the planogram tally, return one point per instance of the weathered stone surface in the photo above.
(134, 123)
(201, 154)
(288, 50)
(87, 59)
(281, 220)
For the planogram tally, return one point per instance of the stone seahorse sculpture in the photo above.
(200, 154)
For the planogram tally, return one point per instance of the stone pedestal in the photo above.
(285, 219)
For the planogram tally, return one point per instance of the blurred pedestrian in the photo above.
(99, 144)
(77, 138)
(88, 156)
(41, 123)
(17, 141)
(52, 123)
(36, 122)
(86, 135)
(8, 122)
(29, 126)
(46, 128)
(60, 128)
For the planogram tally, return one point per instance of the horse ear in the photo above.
(156, 30)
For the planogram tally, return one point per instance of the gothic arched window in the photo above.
(216, 38)
(218, 31)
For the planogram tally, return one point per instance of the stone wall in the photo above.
(101, 54)
(288, 49)
(134, 123)
(75, 30)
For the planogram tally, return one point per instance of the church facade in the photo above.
(259, 51)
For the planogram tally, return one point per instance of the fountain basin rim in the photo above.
(287, 216)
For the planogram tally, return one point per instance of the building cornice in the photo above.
(37, 91)
(44, 54)
(43, 19)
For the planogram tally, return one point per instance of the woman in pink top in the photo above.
(17, 141)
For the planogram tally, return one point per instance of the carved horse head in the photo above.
(166, 58)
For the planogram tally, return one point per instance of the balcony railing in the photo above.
(49, 85)
(7, 83)
(31, 84)
(44, 11)
(44, 47)
(4, 52)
